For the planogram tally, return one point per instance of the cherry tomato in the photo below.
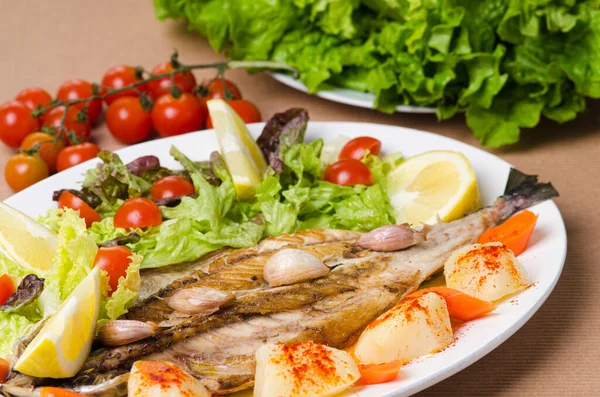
(76, 154)
(80, 89)
(114, 261)
(356, 148)
(48, 147)
(118, 77)
(245, 109)
(348, 172)
(58, 392)
(185, 81)
(81, 129)
(128, 121)
(171, 186)
(137, 212)
(34, 97)
(7, 288)
(4, 369)
(222, 89)
(23, 170)
(69, 200)
(16, 122)
(175, 116)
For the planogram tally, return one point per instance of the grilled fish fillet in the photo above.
(219, 349)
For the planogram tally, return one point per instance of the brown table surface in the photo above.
(43, 43)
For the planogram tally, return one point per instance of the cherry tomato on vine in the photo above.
(137, 212)
(245, 109)
(128, 121)
(118, 77)
(175, 116)
(348, 172)
(16, 122)
(356, 148)
(75, 89)
(47, 147)
(81, 128)
(221, 89)
(171, 186)
(7, 288)
(114, 261)
(185, 81)
(69, 200)
(23, 170)
(34, 97)
(76, 154)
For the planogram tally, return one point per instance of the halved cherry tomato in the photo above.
(23, 170)
(171, 186)
(371, 374)
(76, 154)
(185, 81)
(137, 212)
(245, 109)
(48, 147)
(175, 116)
(7, 288)
(80, 89)
(356, 148)
(69, 200)
(4, 369)
(348, 172)
(16, 122)
(128, 121)
(515, 232)
(115, 261)
(58, 392)
(461, 306)
(34, 97)
(81, 128)
(118, 77)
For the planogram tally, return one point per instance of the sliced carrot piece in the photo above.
(371, 374)
(515, 232)
(58, 392)
(460, 305)
(4, 369)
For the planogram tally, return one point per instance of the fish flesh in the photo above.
(219, 348)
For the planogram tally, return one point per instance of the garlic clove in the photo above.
(199, 300)
(392, 238)
(290, 266)
(122, 332)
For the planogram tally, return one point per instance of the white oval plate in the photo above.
(345, 95)
(543, 260)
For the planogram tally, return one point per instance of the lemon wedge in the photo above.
(434, 184)
(25, 241)
(243, 157)
(62, 345)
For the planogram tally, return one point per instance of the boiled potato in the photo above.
(415, 327)
(486, 271)
(162, 379)
(304, 369)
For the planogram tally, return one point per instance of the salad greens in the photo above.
(506, 62)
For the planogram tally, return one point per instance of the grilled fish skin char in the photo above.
(219, 349)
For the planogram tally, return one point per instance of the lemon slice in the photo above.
(25, 241)
(434, 184)
(242, 155)
(62, 345)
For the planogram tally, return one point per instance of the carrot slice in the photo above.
(460, 305)
(514, 232)
(58, 392)
(7, 288)
(371, 374)
(4, 369)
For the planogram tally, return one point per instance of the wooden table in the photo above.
(556, 353)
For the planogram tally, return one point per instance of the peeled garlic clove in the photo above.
(199, 300)
(392, 238)
(122, 332)
(291, 266)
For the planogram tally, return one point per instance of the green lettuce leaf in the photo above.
(114, 306)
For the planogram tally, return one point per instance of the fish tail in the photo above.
(523, 191)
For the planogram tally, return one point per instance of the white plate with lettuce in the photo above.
(543, 260)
